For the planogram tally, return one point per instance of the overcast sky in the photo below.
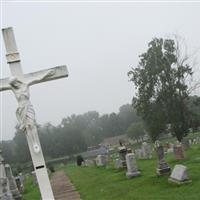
(99, 43)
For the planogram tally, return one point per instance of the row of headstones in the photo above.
(10, 187)
(194, 140)
(128, 160)
(178, 149)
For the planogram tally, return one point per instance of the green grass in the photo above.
(107, 183)
(31, 192)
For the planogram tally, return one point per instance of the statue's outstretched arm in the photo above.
(41, 77)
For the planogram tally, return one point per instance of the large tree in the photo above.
(162, 92)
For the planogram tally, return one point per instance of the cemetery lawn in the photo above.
(31, 192)
(99, 183)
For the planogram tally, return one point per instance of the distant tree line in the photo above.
(77, 132)
(73, 135)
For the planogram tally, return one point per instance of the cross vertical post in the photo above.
(19, 84)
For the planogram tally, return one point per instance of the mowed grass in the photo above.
(31, 192)
(99, 183)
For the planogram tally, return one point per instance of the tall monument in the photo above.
(19, 83)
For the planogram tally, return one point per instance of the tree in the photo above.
(136, 130)
(22, 152)
(194, 107)
(162, 92)
(127, 115)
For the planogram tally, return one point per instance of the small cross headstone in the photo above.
(179, 175)
(13, 186)
(132, 169)
(19, 84)
(162, 167)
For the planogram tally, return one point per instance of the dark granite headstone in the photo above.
(162, 166)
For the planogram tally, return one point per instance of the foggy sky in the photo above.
(99, 43)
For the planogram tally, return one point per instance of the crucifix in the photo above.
(19, 84)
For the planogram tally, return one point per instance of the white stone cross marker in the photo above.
(19, 84)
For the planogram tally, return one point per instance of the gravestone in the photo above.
(146, 151)
(118, 164)
(178, 152)
(170, 150)
(122, 150)
(194, 141)
(179, 175)
(101, 160)
(171, 145)
(162, 166)
(20, 184)
(19, 84)
(138, 153)
(13, 186)
(88, 163)
(5, 193)
(132, 169)
(185, 144)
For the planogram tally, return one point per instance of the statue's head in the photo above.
(14, 82)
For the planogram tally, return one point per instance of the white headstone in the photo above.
(179, 174)
(170, 150)
(132, 169)
(146, 150)
(89, 163)
(118, 164)
(101, 160)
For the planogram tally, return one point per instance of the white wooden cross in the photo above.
(19, 83)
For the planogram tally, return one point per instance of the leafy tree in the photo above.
(162, 92)
(194, 107)
(136, 131)
(127, 115)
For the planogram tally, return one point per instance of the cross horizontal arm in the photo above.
(4, 84)
(46, 75)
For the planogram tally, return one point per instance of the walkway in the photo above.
(62, 187)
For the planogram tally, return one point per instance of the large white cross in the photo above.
(19, 84)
